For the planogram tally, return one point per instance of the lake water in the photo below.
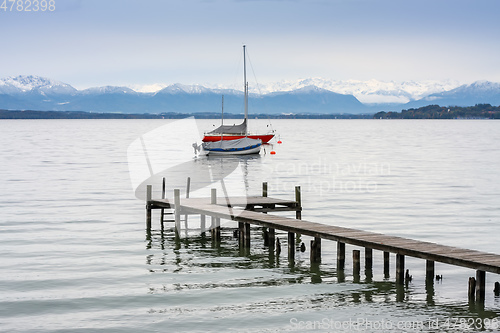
(75, 255)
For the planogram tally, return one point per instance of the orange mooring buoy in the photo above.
(273, 152)
(279, 142)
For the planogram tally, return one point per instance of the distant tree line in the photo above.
(31, 114)
(478, 111)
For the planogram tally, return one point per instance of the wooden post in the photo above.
(298, 199)
(386, 264)
(429, 270)
(291, 246)
(188, 187)
(247, 235)
(356, 266)
(368, 258)
(480, 286)
(213, 196)
(264, 229)
(215, 231)
(203, 219)
(163, 193)
(340, 256)
(241, 234)
(265, 235)
(315, 254)
(400, 268)
(272, 238)
(177, 203)
(472, 289)
(149, 195)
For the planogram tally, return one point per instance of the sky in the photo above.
(88, 43)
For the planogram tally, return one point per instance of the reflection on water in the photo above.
(226, 265)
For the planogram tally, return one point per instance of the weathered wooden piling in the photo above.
(368, 258)
(298, 199)
(480, 286)
(291, 246)
(400, 268)
(272, 238)
(241, 234)
(177, 214)
(149, 196)
(188, 188)
(386, 264)
(340, 256)
(356, 262)
(265, 235)
(271, 233)
(472, 289)
(247, 235)
(203, 222)
(215, 231)
(315, 250)
(163, 194)
(429, 270)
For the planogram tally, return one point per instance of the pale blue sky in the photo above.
(124, 42)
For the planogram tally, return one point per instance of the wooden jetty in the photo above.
(253, 210)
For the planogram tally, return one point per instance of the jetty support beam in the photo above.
(215, 232)
(356, 265)
(315, 254)
(298, 199)
(247, 235)
(386, 264)
(177, 202)
(400, 268)
(368, 258)
(429, 270)
(149, 195)
(291, 246)
(340, 256)
(480, 286)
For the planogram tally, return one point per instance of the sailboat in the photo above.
(240, 146)
(233, 132)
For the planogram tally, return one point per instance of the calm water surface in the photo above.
(75, 255)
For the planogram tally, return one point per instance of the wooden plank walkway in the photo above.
(249, 210)
(253, 210)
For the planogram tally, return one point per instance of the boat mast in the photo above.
(222, 119)
(245, 83)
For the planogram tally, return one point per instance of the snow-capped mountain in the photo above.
(368, 92)
(313, 95)
(107, 90)
(479, 92)
(26, 83)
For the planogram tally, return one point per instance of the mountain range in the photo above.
(314, 96)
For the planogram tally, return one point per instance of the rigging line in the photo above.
(257, 83)
(253, 72)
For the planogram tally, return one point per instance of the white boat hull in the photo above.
(244, 146)
(250, 151)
